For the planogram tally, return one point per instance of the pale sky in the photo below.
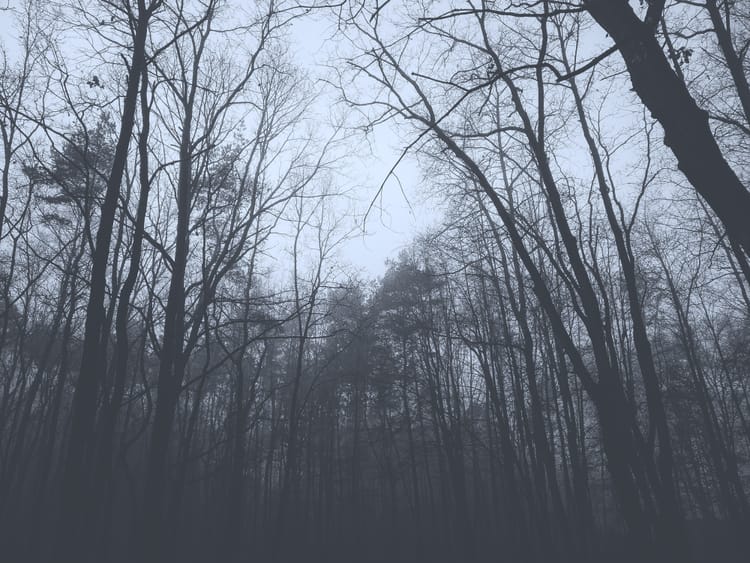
(399, 212)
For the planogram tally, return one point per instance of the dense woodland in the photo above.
(557, 370)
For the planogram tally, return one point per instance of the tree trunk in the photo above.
(76, 502)
(686, 127)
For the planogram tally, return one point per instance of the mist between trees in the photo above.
(558, 370)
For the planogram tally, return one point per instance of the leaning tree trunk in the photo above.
(686, 128)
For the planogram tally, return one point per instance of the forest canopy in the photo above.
(557, 368)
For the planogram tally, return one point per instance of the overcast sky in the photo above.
(401, 210)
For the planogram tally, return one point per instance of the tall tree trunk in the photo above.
(108, 419)
(686, 126)
(672, 532)
(75, 544)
